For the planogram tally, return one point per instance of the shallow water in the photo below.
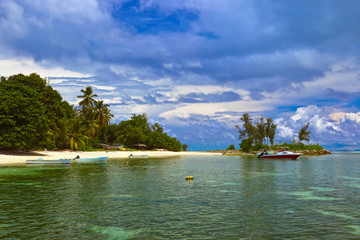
(231, 197)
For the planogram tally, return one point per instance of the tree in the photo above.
(272, 133)
(157, 128)
(137, 130)
(231, 147)
(270, 129)
(33, 103)
(184, 147)
(254, 136)
(87, 99)
(304, 134)
(23, 122)
(260, 131)
(102, 113)
(59, 113)
(246, 144)
(248, 129)
(76, 139)
(33, 81)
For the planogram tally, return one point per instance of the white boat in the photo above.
(91, 160)
(43, 161)
(138, 156)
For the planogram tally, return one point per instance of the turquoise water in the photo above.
(231, 197)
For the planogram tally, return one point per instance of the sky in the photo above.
(196, 66)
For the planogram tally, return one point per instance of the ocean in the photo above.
(230, 197)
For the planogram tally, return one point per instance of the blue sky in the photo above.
(196, 66)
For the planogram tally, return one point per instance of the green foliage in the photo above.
(304, 134)
(76, 138)
(299, 146)
(88, 100)
(34, 116)
(23, 122)
(270, 130)
(102, 113)
(246, 145)
(32, 110)
(231, 147)
(184, 147)
(255, 135)
(108, 134)
(137, 130)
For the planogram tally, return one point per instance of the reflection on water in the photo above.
(231, 197)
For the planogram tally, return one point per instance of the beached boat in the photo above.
(138, 156)
(279, 155)
(43, 161)
(91, 160)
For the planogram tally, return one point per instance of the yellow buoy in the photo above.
(189, 178)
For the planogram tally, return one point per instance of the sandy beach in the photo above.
(15, 158)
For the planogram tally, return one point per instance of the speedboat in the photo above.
(279, 155)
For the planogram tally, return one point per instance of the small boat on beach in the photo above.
(279, 155)
(138, 156)
(43, 161)
(55, 161)
(91, 160)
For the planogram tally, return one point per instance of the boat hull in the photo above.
(41, 161)
(138, 156)
(281, 156)
(91, 160)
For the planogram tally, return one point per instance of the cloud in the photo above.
(342, 117)
(296, 61)
(201, 131)
(27, 66)
(258, 44)
(328, 127)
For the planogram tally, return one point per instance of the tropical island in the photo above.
(34, 117)
(258, 135)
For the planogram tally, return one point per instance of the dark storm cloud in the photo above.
(130, 46)
(250, 40)
(208, 98)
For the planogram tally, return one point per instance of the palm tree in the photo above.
(87, 99)
(102, 113)
(76, 138)
(304, 134)
(90, 125)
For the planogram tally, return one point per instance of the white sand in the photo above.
(53, 155)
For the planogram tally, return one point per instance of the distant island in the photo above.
(258, 135)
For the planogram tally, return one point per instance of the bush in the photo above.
(231, 147)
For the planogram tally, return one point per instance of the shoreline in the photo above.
(10, 158)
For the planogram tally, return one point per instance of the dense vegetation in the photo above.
(137, 130)
(255, 136)
(260, 135)
(34, 116)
